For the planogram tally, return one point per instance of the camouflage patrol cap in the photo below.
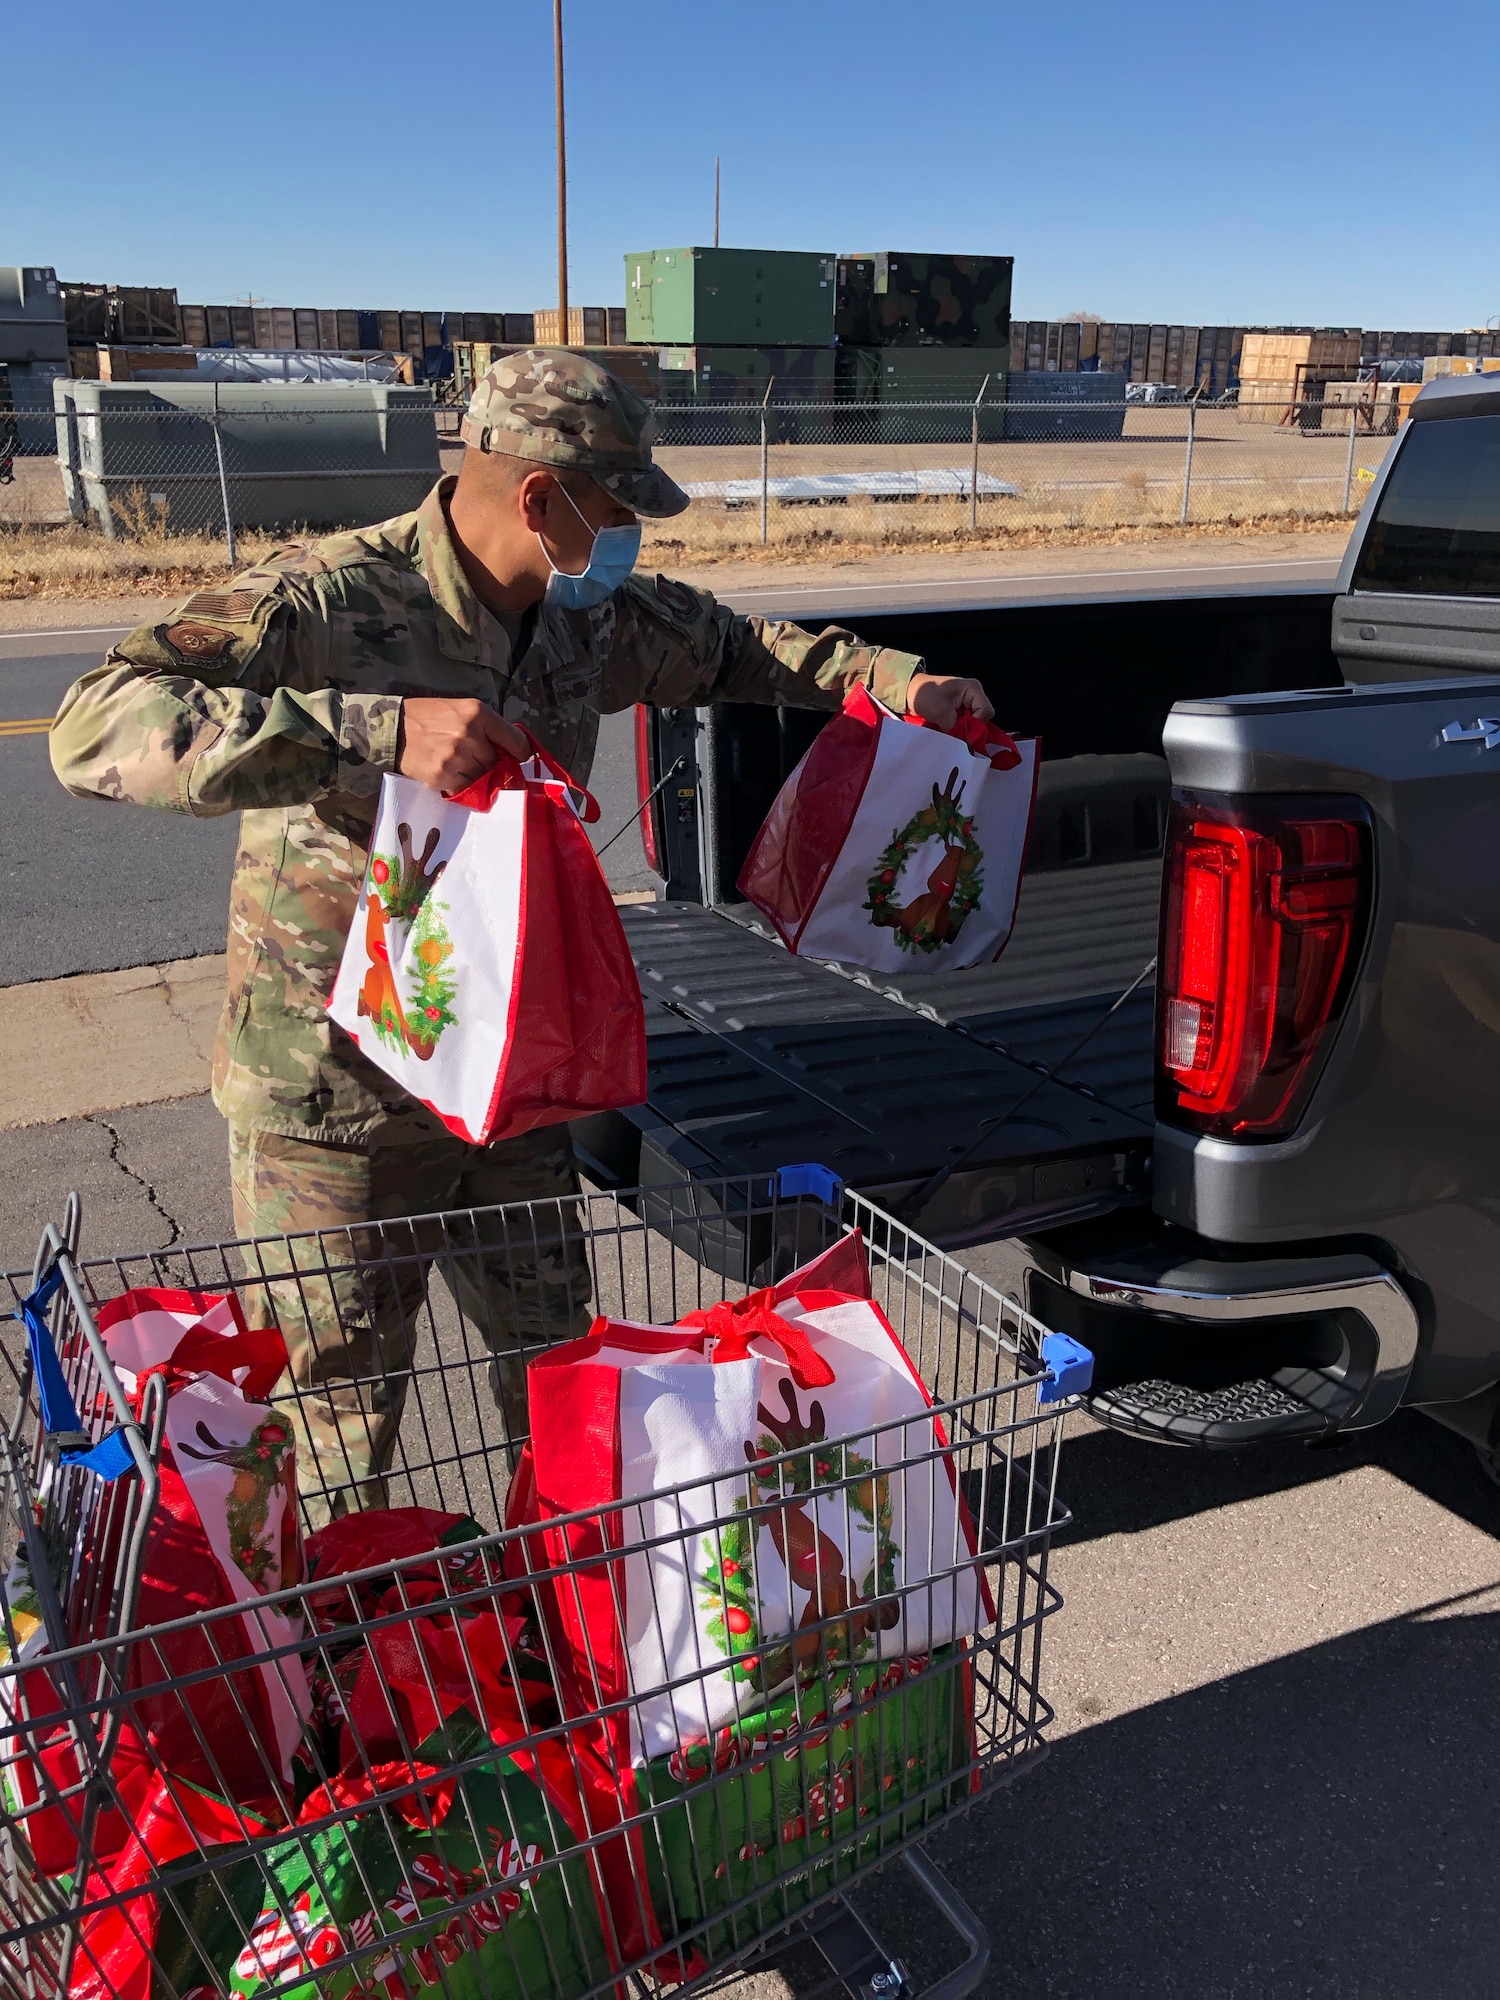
(560, 408)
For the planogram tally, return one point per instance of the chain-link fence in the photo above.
(134, 466)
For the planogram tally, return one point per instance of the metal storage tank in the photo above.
(295, 455)
(732, 298)
(33, 317)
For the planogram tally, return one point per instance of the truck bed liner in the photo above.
(1081, 936)
(758, 1059)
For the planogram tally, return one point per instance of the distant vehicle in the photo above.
(1153, 392)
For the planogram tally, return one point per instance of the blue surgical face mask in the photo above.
(611, 560)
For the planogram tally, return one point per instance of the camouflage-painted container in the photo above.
(854, 319)
(921, 300)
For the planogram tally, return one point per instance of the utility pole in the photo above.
(716, 201)
(562, 180)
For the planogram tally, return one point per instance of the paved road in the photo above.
(87, 887)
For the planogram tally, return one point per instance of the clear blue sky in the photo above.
(1273, 162)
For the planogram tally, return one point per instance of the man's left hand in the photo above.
(942, 698)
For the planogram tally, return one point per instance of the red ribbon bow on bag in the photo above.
(259, 1350)
(733, 1325)
(985, 739)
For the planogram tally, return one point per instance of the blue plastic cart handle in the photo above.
(60, 1418)
(1069, 1366)
(812, 1179)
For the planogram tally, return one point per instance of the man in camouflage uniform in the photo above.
(414, 646)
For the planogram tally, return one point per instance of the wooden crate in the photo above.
(118, 364)
(194, 325)
(1276, 357)
(1267, 402)
(348, 329)
(328, 331)
(588, 326)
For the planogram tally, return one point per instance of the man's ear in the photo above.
(534, 498)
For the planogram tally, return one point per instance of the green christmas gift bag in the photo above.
(782, 1805)
(421, 1877)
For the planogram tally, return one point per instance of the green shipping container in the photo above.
(750, 298)
(917, 382)
(698, 382)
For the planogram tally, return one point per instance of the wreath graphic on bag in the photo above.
(400, 892)
(954, 887)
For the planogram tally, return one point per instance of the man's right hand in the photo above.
(448, 744)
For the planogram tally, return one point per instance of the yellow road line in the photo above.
(32, 726)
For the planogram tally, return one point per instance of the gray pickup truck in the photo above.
(1233, 1091)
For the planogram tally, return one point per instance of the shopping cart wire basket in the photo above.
(389, 1775)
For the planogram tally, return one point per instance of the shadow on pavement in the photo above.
(1117, 1485)
(1320, 1825)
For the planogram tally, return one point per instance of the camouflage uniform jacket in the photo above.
(280, 696)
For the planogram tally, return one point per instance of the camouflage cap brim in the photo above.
(644, 490)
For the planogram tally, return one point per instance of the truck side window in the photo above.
(1437, 531)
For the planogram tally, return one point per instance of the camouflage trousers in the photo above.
(352, 1301)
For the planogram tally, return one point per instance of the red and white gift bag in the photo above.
(736, 1556)
(487, 969)
(226, 1530)
(895, 845)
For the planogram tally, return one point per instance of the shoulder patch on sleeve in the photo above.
(678, 597)
(678, 603)
(192, 643)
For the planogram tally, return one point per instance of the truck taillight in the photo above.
(1265, 911)
(643, 784)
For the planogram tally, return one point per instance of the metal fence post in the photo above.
(974, 466)
(223, 483)
(1349, 461)
(765, 465)
(1187, 468)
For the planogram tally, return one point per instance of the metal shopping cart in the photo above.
(489, 1857)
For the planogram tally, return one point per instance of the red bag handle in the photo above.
(732, 1325)
(985, 739)
(259, 1350)
(506, 775)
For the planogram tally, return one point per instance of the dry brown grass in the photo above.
(807, 543)
(74, 561)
